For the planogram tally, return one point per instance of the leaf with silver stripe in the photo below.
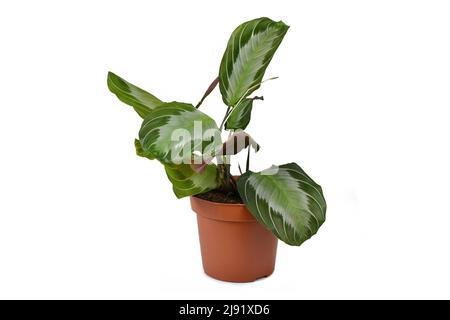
(285, 200)
(248, 53)
(175, 130)
(240, 115)
(187, 182)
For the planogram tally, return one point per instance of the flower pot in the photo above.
(234, 245)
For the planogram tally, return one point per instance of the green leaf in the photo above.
(173, 131)
(140, 152)
(187, 182)
(240, 115)
(286, 200)
(142, 101)
(248, 53)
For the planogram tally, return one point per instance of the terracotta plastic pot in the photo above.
(235, 246)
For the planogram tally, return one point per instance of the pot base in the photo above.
(228, 279)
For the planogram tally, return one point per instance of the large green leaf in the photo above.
(142, 101)
(187, 182)
(174, 131)
(286, 200)
(248, 53)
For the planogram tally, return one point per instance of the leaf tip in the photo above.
(111, 75)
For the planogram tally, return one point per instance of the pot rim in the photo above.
(231, 212)
(221, 203)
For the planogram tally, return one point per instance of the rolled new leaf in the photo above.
(142, 101)
(235, 143)
(238, 141)
(208, 91)
(248, 53)
(285, 200)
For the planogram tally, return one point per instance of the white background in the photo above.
(362, 104)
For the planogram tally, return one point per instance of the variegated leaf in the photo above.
(240, 115)
(248, 53)
(187, 182)
(286, 200)
(174, 131)
(142, 101)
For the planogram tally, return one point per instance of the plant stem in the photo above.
(225, 118)
(247, 166)
(224, 168)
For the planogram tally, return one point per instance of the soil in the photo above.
(220, 196)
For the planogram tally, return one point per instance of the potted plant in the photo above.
(239, 218)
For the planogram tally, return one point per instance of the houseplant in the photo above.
(239, 218)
